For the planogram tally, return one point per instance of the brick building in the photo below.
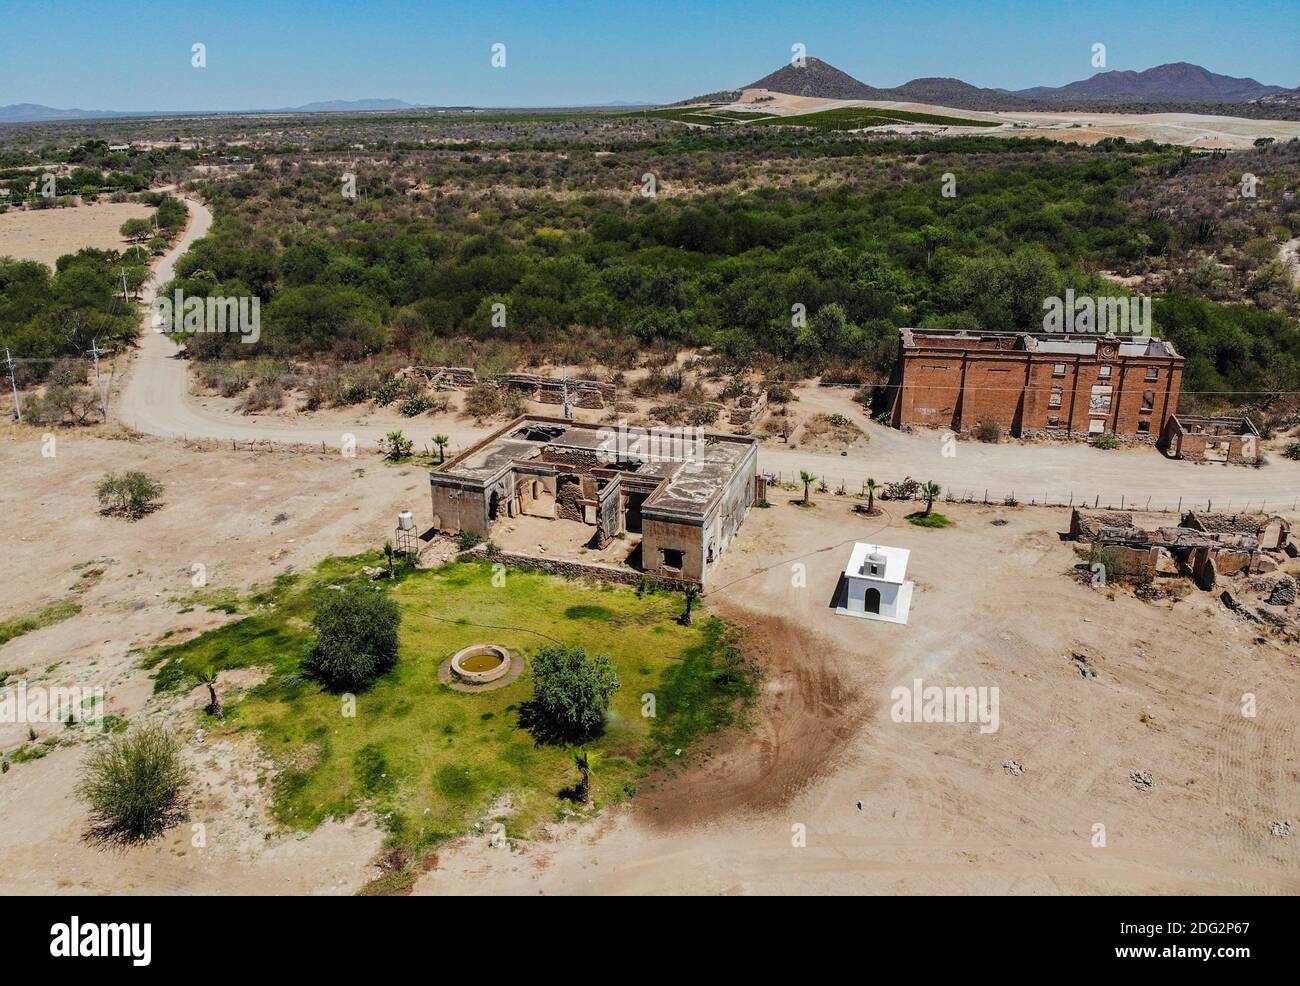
(1035, 383)
(1204, 439)
(682, 497)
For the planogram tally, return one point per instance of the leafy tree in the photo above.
(356, 636)
(137, 785)
(208, 676)
(131, 494)
(871, 487)
(571, 693)
(441, 441)
(690, 594)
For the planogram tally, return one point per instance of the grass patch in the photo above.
(921, 519)
(50, 615)
(429, 760)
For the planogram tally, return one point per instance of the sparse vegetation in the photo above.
(135, 785)
(130, 494)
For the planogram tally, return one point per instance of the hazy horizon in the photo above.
(266, 56)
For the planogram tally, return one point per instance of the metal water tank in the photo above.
(405, 522)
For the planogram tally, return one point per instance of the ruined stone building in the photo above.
(1035, 383)
(1204, 439)
(683, 494)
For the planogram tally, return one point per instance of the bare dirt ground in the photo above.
(1190, 129)
(245, 517)
(47, 234)
(939, 812)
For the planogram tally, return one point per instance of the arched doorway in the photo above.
(494, 504)
(872, 601)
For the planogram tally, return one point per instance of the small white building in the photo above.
(875, 584)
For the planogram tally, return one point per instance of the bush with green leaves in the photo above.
(571, 693)
(136, 785)
(396, 446)
(1292, 451)
(356, 636)
(1106, 440)
(131, 494)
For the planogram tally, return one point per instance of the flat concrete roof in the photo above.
(690, 466)
(895, 562)
(1045, 343)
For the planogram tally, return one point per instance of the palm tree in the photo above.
(931, 490)
(441, 441)
(808, 479)
(586, 764)
(388, 553)
(208, 676)
(872, 486)
(691, 592)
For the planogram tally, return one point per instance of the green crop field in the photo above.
(856, 117)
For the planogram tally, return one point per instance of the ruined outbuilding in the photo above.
(684, 494)
(1202, 546)
(1205, 439)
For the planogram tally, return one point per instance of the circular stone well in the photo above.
(481, 663)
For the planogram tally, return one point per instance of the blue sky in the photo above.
(135, 54)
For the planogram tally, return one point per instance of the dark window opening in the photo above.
(1148, 400)
(1153, 373)
(1144, 427)
(673, 558)
(872, 602)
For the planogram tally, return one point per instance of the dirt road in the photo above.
(156, 399)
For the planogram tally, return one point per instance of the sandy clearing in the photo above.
(48, 234)
(245, 517)
(939, 813)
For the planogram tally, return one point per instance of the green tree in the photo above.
(132, 494)
(356, 636)
(571, 693)
(691, 593)
(931, 490)
(441, 441)
(208, 676)
(871, 487)
(807, 479)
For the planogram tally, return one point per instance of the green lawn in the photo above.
(429, 759)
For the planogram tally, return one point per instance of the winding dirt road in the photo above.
(156, 399)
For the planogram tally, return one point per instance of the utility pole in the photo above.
(9, 362)
(124, 297)
(95, 352)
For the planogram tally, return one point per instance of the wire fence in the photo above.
(1168, 502)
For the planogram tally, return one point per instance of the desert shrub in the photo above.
(1292, 451)
(1117, 565)
(131, 494)
(487, 400)
(702, 414)
(356, 637)
(571, 693)
(1106, 440)
(262, 396)
(418, 404)
(988, 431)
(135, 785)
(387, 392)
(64, 404)
(466, 540)
(780, 393)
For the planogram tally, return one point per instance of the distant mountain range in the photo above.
(36, 113)
(1176, 83)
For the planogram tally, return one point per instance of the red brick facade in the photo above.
(1035, 383)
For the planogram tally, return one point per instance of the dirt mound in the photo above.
(808, 711)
